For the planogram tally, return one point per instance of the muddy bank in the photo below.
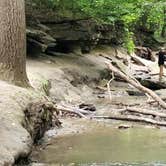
(19, 130)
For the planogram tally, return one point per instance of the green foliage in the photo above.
(148, 14)
(128, 42)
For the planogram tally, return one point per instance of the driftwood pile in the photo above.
(137, 114)
(153, 111)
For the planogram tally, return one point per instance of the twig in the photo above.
(108, 86)
(137, 85)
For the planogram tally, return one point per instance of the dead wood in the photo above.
(145, 112)
(87, 107)
(137, 85)
(137, 60)
(132, 119)
(79, 112)
(145, 52)
(154, 101)
(108, 86)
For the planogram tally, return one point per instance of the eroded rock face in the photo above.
(38, 41)
(69, 32)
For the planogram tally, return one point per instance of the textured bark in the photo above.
(13, 42)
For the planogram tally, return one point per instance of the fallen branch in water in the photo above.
(137, 85)
(132, 118)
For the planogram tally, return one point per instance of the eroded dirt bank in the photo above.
(22, 120)
(14, 138)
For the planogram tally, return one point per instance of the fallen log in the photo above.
(71, 111)
(137, 85)
(132, 119)
(80, 112)
(154, 101)
(145, 112)
(137, 60)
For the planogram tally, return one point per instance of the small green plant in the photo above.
(128, 42)
(46, 85)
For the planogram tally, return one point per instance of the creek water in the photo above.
(108, 146)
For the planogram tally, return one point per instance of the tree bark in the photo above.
(13, 42)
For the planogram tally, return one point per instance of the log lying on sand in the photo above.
(79, 112)
(133, 119)
(144, 112)
(137, 60)
(145, 52)
(136, 84)
(154, 101)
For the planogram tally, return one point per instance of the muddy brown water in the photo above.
(108, 146)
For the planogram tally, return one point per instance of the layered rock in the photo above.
(68, 32)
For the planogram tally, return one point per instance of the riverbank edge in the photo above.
(16, 128)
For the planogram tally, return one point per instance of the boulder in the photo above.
(38, 41)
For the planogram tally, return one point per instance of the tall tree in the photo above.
(13, 42)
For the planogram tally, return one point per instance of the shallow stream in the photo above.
(108, 146)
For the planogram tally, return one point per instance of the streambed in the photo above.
(107, 146)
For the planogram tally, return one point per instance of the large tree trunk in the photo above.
(13, 42)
